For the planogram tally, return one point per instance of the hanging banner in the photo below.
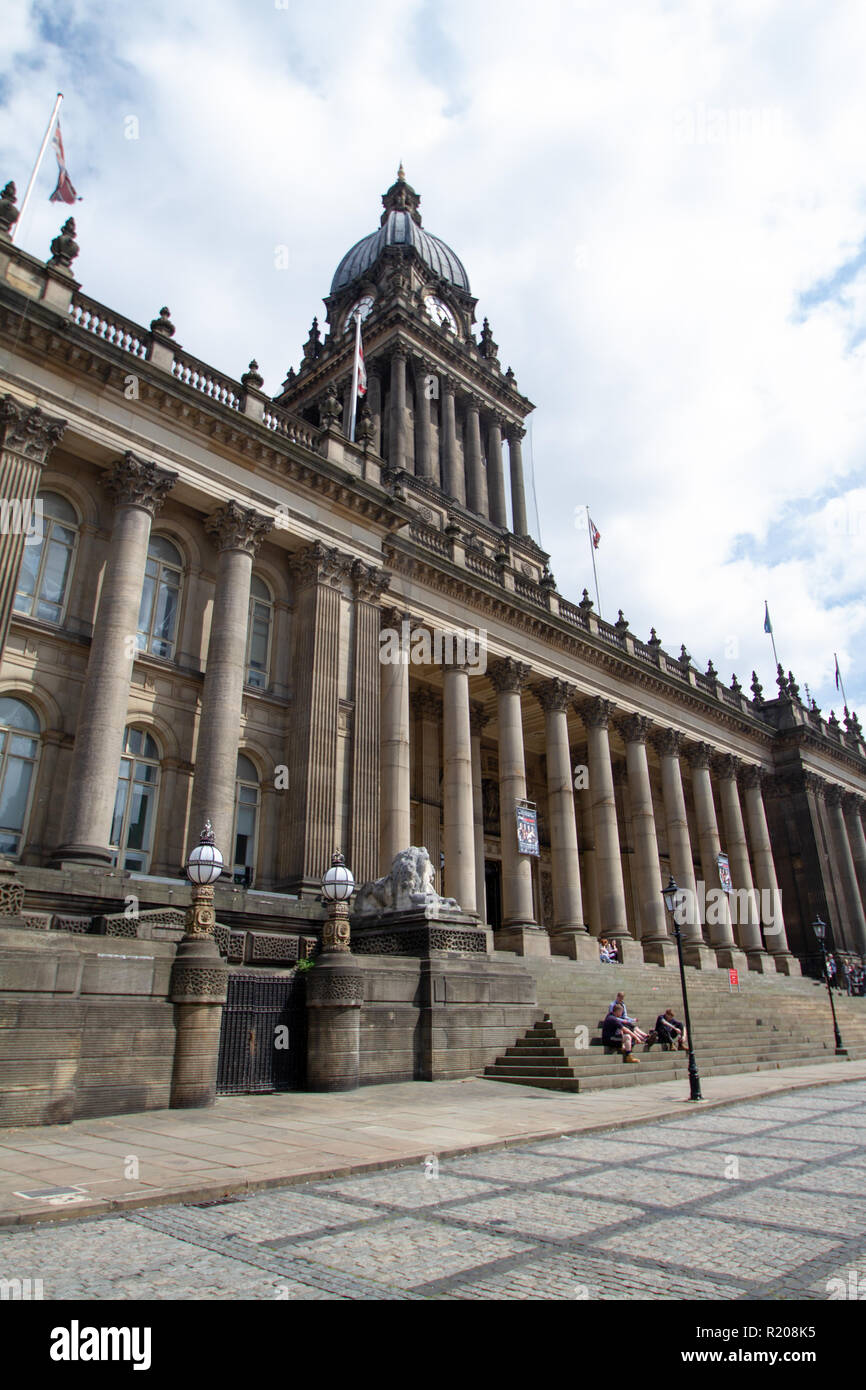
(725, 874)
(527, 828)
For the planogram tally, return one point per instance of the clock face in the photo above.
(440, 313)
(362, 307)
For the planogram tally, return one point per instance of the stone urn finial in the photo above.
(163, 325)
(8, 210)
(64, 247)
(252, 377)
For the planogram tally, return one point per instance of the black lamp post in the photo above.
(671, 896)
(820, 928)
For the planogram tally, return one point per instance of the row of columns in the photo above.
(478, 482)
(463, 848)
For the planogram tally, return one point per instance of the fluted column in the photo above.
(569, 936)
(368, 585)
(772, 916)
(428, 708)
(397, 431)
(396, 789)
(476, 498)
(596, 715)
(27, 436)
(853, 806)
(518, 494)
(477, 720)
(519, 931)
(423, 448)
(847, 872)
(138, 489)
(718, 911)
(655, 940)
(237, 532)
(747, 916)
(459, 827)
(319, 574)
(495, 480)
(453, 482)
(695, 950)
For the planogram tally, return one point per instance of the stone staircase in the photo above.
(774, 1022)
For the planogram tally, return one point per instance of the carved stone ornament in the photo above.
(508, 675)
(833, 794)
(700, 755)
(478, 719)
(426, 704)
(667, 743)
(752, 776)
(135, 482)
(11, 891)
(336, 932)
(8, 210)
(369, 582)
(252, 378)
(163, 326)
(554, 694)
(233, 527)
(320, 564)
(635, 728)
(727, 766)
(198, 985)
(330, 410)
(853, 803)
(27, 430)
(64, 247)
(597, 713)
(410, 885)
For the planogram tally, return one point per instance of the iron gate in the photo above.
(263, 1035)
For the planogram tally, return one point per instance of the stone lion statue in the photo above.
(408, 886)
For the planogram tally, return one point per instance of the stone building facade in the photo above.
(195, 580)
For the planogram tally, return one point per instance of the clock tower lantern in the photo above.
(439, 406)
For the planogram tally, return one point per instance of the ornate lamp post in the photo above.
(820, 928)
(199, 980)
(338, 885)
(203, 867)
(672, 899)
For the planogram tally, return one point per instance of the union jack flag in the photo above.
(64, 192)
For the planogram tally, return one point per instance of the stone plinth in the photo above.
(335, 993)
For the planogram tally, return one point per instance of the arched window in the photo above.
(160, 598)
(19, 752)
(246, 821)
(135, 802)
(259, 633)
(43, 581)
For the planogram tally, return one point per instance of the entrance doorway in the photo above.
(493, 885)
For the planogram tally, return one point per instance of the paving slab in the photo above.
(252, 1143)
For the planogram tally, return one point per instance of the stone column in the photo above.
(453, 483)
(569, 936)
(695, 950)
(138, 489)
(477, 721)
(765, 874)
(396, 833)
(237, 532)
(27, 436)
(748, 917)
(847, 871)
(475, 489)
(423, 448)
(495, 480)
(656, 943)
(319, 574)
(374, 405)
(459, 819)
(199, 982)
(596, 715)
(519, 931)
(853, 806)
(518, 495)
(592, 907)
(368, 585)
(718, 910)
(428, 708)
(397, 431)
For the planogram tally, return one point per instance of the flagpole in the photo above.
(355, 364)
(841, 683)
(39, 158)
(592, 557)
(772, 638)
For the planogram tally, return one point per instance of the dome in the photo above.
(400, 226)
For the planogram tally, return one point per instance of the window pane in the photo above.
(119, 808)
(166, 612)
(13, 794)
(9, 842)
(55, 505)
(27, 576)
(139, 818)
(150, 748)
(48, 612)
(164, 550)
(15, 714)
(55, 573)
(246, 769)
(23, 746)
(146, 609)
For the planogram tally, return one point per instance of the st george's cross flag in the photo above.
(64, 192)
(594, 534)
(360, 368)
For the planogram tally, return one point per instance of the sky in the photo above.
(661, 206)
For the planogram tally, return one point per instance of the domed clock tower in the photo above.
(438, 405)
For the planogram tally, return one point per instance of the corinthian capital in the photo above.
(320, 564)
(727, 766)
(233, 527)
(667, 743)
(369, 582)
(833, 794)
(597, 713)
(27, 430)
(509, 675)
(554, 694)
(700, 755)
(635, 728)
(752, 776)
(135, 482)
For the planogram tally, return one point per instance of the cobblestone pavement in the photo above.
(765, 1199)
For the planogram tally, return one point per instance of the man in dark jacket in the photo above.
(614, 1030)
(669, 1030)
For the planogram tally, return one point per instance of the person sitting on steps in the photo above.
(630, 1022)
(671, 1032)
(615, 1032)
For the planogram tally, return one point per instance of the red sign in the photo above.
(734, 978)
